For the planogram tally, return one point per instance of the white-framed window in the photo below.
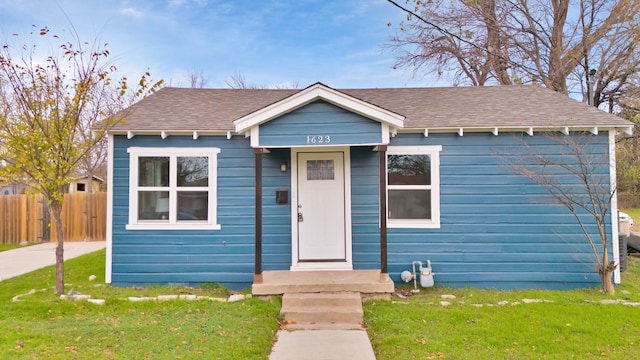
(173, 188)
(413, 186)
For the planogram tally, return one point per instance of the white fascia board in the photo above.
(510, 129)
(109, 232)
(313, 93)
(132, 133)
(615, 231)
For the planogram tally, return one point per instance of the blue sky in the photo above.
(269, 42)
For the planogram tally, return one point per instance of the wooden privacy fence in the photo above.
(26, 218)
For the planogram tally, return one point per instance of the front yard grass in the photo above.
(41, 326)
(567, 325)
(5, 247)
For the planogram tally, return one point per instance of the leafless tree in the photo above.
(238, 81)
(578, 179)
(197, 80)
(525, 41)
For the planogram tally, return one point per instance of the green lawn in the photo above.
(5, 247)
(571, 325)
(41, 326)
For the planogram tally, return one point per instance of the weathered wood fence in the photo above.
(27, 218)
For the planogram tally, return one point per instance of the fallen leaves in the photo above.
(438, 355)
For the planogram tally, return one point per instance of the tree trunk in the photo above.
(607, 283)
(557, 78)
(606, 272)
(495, 47)
(56, 210)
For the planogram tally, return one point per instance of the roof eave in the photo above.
(165, 133)
(495, 130)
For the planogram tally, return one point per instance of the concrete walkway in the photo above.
(322, 326)
(322, 345)
(29, 258)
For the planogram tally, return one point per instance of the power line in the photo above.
(447, 32)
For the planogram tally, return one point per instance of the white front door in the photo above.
(322, 229)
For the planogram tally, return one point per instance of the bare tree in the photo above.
(238, 81)
(49, 101)
(578, 179)
(197, 80)
(525, 41)
(628, 147)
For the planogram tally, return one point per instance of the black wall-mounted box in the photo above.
(282, 196)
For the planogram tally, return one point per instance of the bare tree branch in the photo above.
(577, 179)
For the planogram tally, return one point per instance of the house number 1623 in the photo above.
(318, 139)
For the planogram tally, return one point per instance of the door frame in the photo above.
(319, 265)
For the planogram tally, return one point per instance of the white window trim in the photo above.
(434, 152)
(173, 153)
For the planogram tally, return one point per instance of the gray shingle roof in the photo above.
(185, 109)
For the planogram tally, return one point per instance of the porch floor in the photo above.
(367, 282)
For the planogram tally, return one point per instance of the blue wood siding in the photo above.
(319, 124)
(365, 229)
(498, 229)
(225, 256)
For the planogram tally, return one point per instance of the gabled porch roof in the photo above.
(313, 93)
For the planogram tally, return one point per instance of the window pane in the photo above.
(153, 205)
(193, 171)
(193, 205)
(320, 170)
(153, 171)
(410, 204)
(409, 169)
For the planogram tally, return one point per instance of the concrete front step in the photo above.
(323, 326)
(322, 299)
(362, 281)
(322, 310)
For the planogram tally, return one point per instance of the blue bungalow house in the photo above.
(231, 185)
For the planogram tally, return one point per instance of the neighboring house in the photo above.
(82, 184)
(14, 187)
(221, 185)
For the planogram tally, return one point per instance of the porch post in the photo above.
(382, 151)
(258, 250)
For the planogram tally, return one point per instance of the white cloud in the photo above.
(131, 12)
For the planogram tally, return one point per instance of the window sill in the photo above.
(412, 225)
(173, 227)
